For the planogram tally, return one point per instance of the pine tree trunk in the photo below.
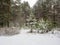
(5, 12)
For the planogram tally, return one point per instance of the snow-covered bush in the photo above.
(9, 31)
(45, 26)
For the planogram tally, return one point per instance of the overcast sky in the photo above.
(31, 2)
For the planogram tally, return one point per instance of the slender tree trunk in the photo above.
(31, 29)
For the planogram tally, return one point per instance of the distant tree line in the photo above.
(44, 15)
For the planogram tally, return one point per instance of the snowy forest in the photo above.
(24, 24)
(43, 17)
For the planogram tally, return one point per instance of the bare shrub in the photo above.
(9, 31)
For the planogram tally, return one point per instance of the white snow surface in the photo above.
(30, 39)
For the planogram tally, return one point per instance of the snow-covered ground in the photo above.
(30, 39)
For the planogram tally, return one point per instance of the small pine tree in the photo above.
(31, 22)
